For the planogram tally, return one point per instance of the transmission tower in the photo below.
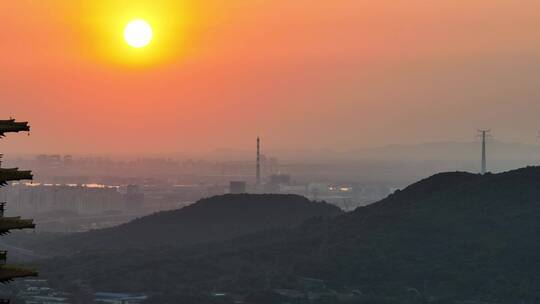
(484, 134)
(258, 168)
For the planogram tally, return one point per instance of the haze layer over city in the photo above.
(269, 151)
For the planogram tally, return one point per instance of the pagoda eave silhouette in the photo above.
(14, 174)
(11, 272)
(11, 126)
(13, 223)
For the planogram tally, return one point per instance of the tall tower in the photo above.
(258, 170)
(484, 134)
(8, 272)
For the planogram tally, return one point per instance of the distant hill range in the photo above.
(212, 219)
(450, 238)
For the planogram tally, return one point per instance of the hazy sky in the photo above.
(302, 73)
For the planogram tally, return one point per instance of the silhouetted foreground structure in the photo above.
(8, 273)
(10, 125)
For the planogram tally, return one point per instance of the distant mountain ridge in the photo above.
(208, 220)
(451, 237)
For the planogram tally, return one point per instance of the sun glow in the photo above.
(138, 33)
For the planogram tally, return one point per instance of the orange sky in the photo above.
(303, 73)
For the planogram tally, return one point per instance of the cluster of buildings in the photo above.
(36, 198)
(57, 168)
(107, 193)
(38, 291)
(348, 196)
(74, 207)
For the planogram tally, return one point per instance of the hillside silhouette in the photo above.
(208, 220)
(451, 237)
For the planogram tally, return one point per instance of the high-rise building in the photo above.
(280, 179)
(276, 181)
(8, 273)
(134, 198)
(237, 187)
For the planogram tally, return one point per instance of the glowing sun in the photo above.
(138, 33)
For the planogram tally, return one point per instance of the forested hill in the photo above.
(451, 237)
(211, 219)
